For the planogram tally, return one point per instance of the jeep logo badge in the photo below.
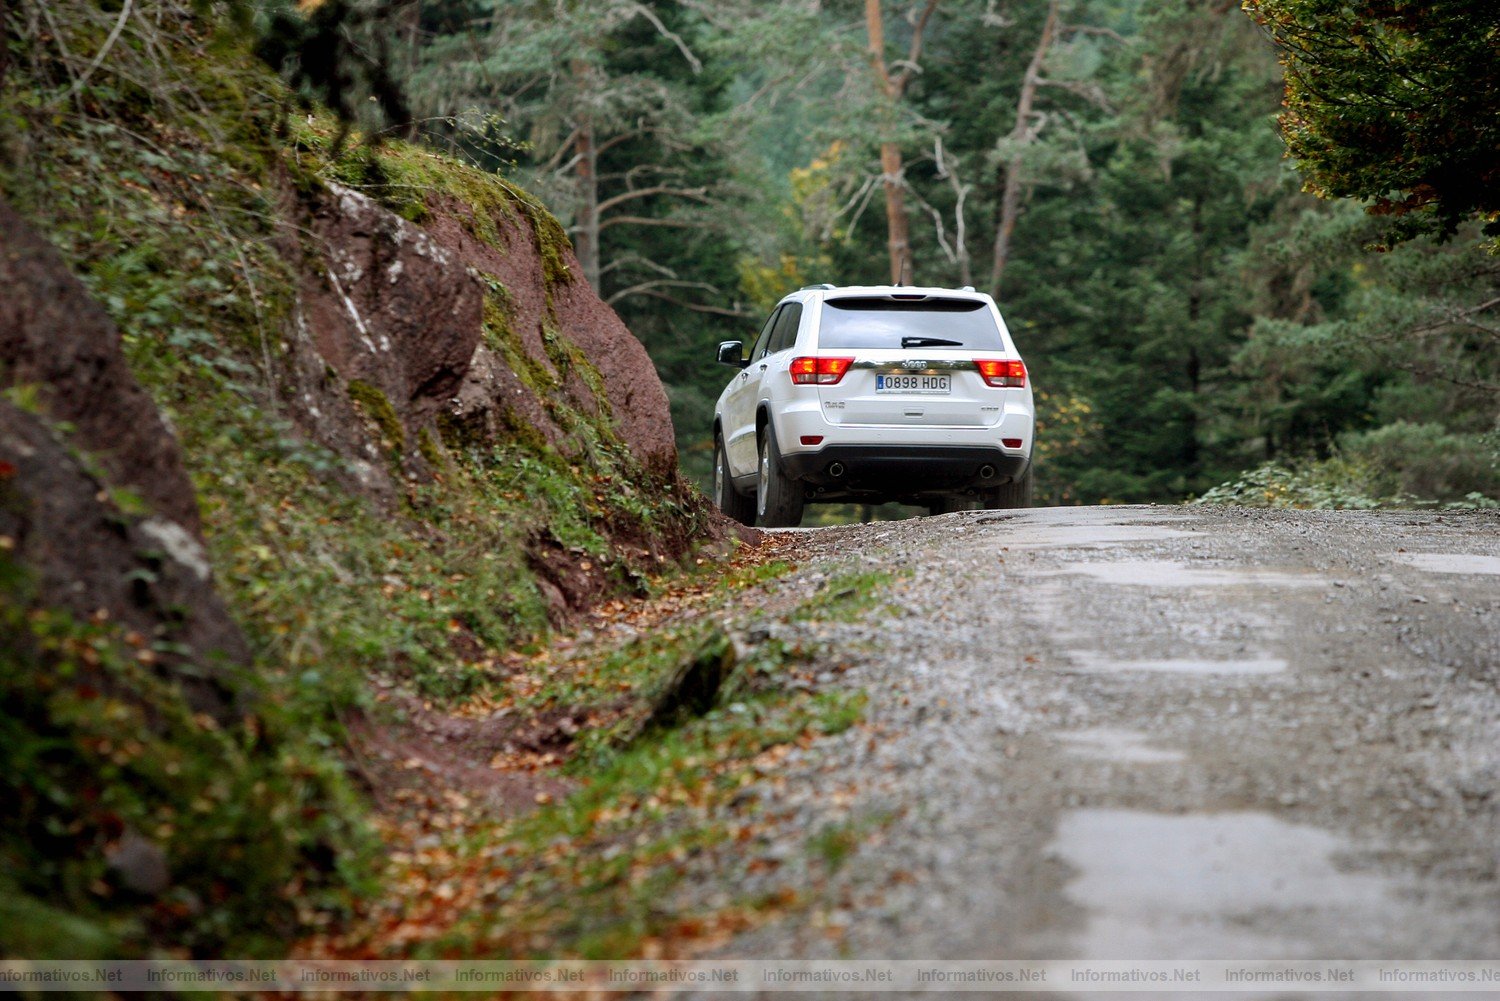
(913, 364)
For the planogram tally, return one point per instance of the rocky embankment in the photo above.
(280, 417)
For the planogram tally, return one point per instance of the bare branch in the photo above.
(109, 43)
(1434, 373)
(670, 35)
(636, 220)
(62, 46)
(1091, 92)
(771, 84)
(646, 286)
(1089, 29)
(698, 307)
(939, 232)
(642, 169)
(1480, 308)
(1461, 317)
(626, 136)
(909, 65)
(1021, 134)
(563, 168)
(859, 211)
(855, 204)
(955, 250)
(710, 12)
(552, 163)
(699, 194)
(994, 17)
(622, 261)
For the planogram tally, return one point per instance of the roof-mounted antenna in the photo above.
(905, 271)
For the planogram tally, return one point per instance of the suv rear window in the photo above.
(880, 322)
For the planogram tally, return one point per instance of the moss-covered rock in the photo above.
(376, 406)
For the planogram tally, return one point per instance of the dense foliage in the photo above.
(1188, 311)
(1396, 102)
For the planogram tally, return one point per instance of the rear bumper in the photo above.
(904, 470)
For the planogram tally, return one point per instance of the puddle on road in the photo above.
(1166, 573)
(1125, 746)
(1064, 536)
(1465, 563)
(1101, 663)
(1224, 886)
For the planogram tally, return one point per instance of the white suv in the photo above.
(870, 394)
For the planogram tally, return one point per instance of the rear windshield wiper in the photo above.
(929, 342)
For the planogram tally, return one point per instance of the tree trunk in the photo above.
(586, 236)
(1010, 199)
(586, 240)
(897, 228)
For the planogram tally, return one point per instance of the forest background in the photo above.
(1203, 316)
(1196, 320)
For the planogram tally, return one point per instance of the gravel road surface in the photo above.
(1157, 733)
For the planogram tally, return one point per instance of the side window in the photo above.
(763, 341)
(785, 334)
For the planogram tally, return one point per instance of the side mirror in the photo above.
(732, 353)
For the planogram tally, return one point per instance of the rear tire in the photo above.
(779, 500)
(729, 500)
(1015, 494)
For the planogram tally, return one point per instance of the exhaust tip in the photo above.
(986, 472)
(835, 469)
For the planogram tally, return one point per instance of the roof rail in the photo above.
(828, 285)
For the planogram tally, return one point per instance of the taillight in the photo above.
(819, 371)
(1003, 374)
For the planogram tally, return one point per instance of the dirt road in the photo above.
(1142, 732)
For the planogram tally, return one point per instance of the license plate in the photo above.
(936, 384)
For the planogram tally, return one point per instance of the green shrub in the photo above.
(1426, 461)
(1400, 465)
(1332, 484)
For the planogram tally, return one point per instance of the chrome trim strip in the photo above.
(933, 367)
